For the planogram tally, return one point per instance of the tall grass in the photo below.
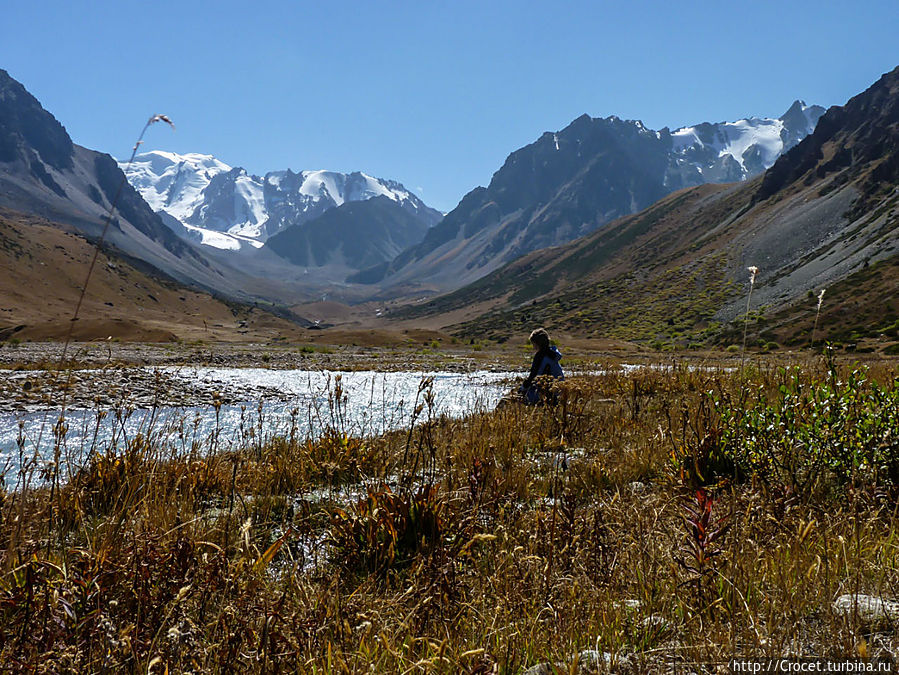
(817, 314)
(482, 544)
(753, 272)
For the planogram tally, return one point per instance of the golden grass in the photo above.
(484, 544)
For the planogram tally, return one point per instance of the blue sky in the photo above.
(433, 94)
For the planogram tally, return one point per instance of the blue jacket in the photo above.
(546, 362)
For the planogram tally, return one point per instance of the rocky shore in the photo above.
(123, 386)
(104, 374)
(280, 355)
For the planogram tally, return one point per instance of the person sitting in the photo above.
(545, 363)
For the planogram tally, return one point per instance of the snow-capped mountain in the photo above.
(204, 199)
(731, 151)
(43, 172)
(571, 182)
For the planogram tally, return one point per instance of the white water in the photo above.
(356, 403)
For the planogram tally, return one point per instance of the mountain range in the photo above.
(207, 201)
(572, 182)
(824, 216)
(603, 228)
(563, 186)
(43, 173)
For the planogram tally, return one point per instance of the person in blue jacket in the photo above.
(546, 362)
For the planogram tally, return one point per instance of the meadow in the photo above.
(657, 519)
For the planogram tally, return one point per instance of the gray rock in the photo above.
(656, 625)
(545, 669)
(593, 660)
(869, 609)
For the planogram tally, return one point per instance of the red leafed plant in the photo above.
(703, 542)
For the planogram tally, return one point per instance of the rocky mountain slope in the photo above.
(570, 183)
(207, 201)
(356, 234)
(825, 215)
(42, 172)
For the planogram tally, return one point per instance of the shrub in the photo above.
(818, 432)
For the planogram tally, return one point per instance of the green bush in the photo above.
(831, 433)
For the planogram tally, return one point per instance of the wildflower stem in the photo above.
(817, 314)
(99, 244)
(65, 347)
(753, 271)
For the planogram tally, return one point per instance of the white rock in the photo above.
(868, 608)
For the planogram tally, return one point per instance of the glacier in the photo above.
(227, 208)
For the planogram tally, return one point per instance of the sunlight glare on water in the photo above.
(370, 403)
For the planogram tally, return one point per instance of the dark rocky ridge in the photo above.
(25, 127)
(566, 185)
(861, 135)
(355, 234)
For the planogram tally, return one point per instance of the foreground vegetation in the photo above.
(665, 518)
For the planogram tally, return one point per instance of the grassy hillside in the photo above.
(675, 275)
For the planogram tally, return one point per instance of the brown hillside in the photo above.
(44, 268)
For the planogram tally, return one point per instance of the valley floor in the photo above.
(662, 519)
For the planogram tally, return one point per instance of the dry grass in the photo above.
(123, 303)
(484, 544)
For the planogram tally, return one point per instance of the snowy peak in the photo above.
(799, 113)
(173, 183)
(799, 121)
(361, 186)
(225, 207)
(213, 203)
(732, 151)
(323, 185)
(337, 187)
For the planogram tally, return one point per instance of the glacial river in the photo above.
(357, 403)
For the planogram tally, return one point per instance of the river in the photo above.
(298, 402)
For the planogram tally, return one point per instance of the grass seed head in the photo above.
(162, 118)
(753, 271)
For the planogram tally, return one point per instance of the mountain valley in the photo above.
(824, 216)
(605, 229)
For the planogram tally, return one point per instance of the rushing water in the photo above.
(357, 403)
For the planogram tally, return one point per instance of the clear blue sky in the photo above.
(434, 94)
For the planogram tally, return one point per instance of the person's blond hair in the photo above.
(540, 338)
